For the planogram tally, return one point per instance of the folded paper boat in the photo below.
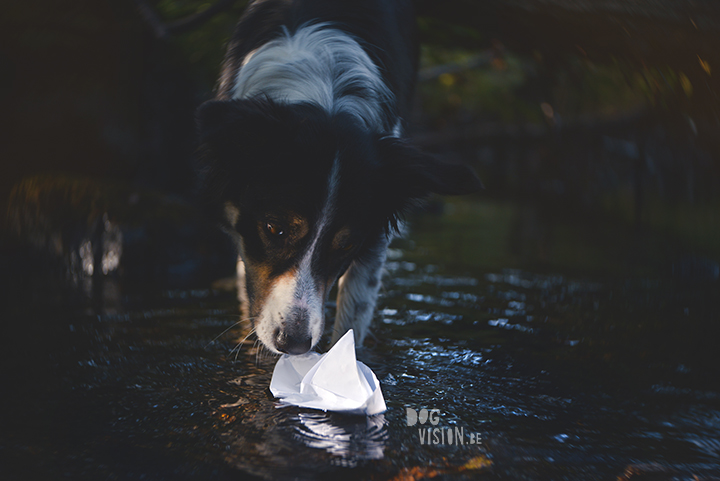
(334, 381)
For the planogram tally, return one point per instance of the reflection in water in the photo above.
(350, 437)
(107, 248)
(68, 219)
(112, 243)
(87, 231)
(86, 258)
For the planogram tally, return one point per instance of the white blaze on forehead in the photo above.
(326, 213)
(300, 290)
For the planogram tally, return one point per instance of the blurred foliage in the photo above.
(476, 93)
(119, 99)
(506, 90)
(441, 33)
(495, 92)
(586, 88)
(696, 224)
(203, 47)
(491, 235)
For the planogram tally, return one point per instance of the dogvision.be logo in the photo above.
(432, 433)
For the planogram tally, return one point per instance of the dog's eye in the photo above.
(274, 229)
(348, 247)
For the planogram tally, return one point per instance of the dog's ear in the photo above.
(411, 175)
(226, 126)
(212, 115)
(231, 134)
(416, 174)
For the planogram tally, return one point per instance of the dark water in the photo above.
(564, 363)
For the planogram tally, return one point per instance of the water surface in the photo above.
(564, 365)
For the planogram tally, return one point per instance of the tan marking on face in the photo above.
(341, 240)
(258, 276)
(299, 227)
(275, 308)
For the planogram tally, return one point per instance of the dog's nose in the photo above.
(290, 344)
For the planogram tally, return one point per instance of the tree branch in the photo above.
(164, 30)
(188, 23)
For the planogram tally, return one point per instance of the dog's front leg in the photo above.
(358, 291)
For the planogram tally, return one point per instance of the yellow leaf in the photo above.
(705, 66)
(478, 462)
(447, 79)
(686, 85)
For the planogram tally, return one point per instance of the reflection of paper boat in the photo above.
(350, 437)
(334, 381)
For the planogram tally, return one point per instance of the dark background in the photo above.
(617, 101)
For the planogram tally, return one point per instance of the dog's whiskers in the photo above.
(231, 326)
(239, 345)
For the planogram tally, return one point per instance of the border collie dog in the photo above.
(302, 154)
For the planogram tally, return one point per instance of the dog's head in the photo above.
(305, 194)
